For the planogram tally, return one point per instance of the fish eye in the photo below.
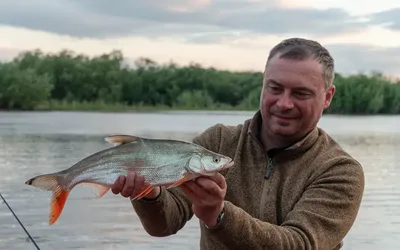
(216, 160)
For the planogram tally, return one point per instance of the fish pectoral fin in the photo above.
(143, 193)
(57, 204)
(120, 139)
(186, 177)
(99, 189)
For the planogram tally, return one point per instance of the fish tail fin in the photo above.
(51, 182)
(57, 204)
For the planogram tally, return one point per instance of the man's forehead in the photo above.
(295, 73)
(309, 67)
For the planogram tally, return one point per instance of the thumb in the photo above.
(220, 180)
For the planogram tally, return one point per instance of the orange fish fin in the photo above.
(57, 204)
(186, 177)
(120, 139)
(99, 189)
(51, 182)
(143, 193)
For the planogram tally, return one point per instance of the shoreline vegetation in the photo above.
(66, 81)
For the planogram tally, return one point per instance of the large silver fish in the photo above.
(161, 162)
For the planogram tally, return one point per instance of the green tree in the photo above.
(22, 89)
(66, 80)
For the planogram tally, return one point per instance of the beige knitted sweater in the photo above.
(309, 199)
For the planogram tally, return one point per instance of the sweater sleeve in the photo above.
(169, 212)
(164, 215)
(320, 219)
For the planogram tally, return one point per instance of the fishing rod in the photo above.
(15, 216)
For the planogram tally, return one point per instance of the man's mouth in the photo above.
(284, 117)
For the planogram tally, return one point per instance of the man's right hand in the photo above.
(131, 185)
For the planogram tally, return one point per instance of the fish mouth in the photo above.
(228, 164)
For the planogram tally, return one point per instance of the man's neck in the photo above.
(271, 141)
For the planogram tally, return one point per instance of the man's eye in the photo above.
(273, 88)
(302, 94)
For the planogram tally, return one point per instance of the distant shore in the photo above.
(66, 81)
(122, 108)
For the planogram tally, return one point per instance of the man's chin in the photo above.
(283, 130)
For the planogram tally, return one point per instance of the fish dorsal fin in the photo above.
(120, 139)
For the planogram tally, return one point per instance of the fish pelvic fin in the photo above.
(145, 191)
(120, 139)
(186, 177)
(51, 182)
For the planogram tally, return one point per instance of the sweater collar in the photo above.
(302, 145)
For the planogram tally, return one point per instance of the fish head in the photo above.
(209, 163)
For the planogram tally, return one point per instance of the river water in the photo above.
(33, 143)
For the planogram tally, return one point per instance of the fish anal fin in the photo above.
(120, 139)
(186, 177)
(57, 204)
(145, 191)
(99, 189)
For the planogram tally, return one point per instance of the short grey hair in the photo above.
(303, 49)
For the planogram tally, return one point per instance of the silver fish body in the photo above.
(161, 162)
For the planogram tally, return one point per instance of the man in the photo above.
(291, 187)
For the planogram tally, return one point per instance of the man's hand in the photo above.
(207, 195)
(131, 185)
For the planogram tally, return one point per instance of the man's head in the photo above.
(297, 87)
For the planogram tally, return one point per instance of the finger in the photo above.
(129, 185)
(118, 184)
(189, 192)
(139, 184)
(200, 192)
(210, 186)
(219, 179)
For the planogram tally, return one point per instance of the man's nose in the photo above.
(285, 102)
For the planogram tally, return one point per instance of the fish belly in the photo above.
(105, 176)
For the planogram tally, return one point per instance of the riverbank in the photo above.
(100, 106)
(120, 107)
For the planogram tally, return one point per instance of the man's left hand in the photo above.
(207, 195)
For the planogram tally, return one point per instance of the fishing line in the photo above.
(15, 216)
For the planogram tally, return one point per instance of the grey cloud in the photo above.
(353, 58)
(388, 18)
(104, 18)
(65, 18)
(228, 19)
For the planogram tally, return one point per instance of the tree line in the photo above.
(34, 80)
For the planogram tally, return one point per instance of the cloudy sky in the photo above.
(228, 34)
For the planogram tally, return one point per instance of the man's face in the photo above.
(293, 96)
